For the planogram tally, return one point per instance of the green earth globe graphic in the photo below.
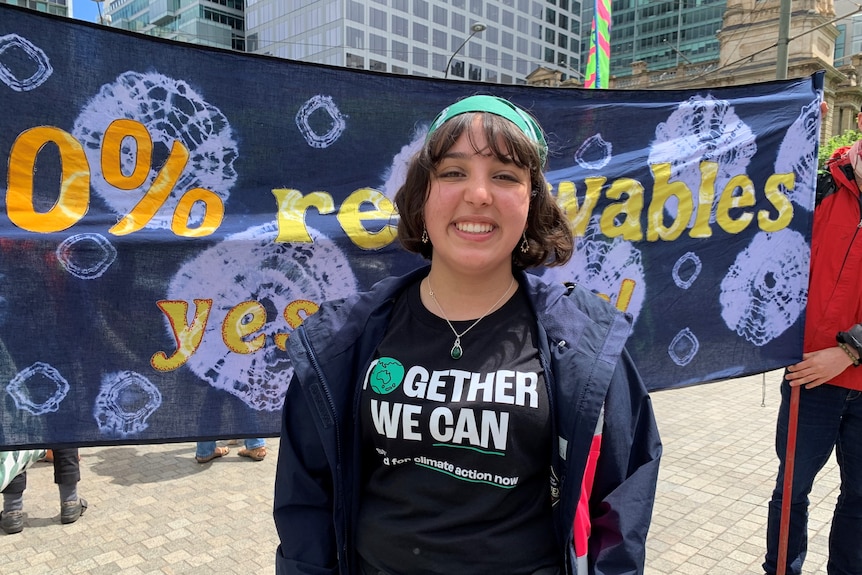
(387, 375)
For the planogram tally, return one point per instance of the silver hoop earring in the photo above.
(525, 247)
(424, 236)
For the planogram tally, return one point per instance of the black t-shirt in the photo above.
(457, 452)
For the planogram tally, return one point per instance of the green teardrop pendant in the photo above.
(456, 351)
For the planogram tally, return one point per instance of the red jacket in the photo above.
(835, 285)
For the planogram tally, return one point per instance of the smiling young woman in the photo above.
(467, 417)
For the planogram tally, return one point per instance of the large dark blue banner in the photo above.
(170, 213)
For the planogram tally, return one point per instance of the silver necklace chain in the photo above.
(457, 351)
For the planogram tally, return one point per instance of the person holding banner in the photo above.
(468, 417)
(829, 412)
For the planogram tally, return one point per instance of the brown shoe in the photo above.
(257, 454)
(219, 452)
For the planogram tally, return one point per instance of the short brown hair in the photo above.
(549, 234)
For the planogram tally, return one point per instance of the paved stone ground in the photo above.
(154, 510)
(716, 478)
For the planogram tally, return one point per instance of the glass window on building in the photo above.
(400, 51)
(420, 32)
(535, 50)
(377, 45)
(476, 7)
(491, 76)
(420, 9)
(522, 45)
(507, 61)
(490, 35)
(505, 79)
(475, 50)
(550, 36)
(400, 26)
(438, 62)
(401, 5)
(508, 20)
(354, 61)
(491, 57)
(563, 41)
(521, 67)
(355, 12)
(507, 40)
(838, 56)
(456, 68)
(459, 22)
(563, 21)
(400, 70)
(537, 10)
(376, 66)
(438, 39)
(377, 18)
(475, 73)
(549, 56)
(355, 38)
(420, 57)
(492, 13)
(440, 15)
(550, 16)
(462, 4)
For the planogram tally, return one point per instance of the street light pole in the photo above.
(783, 40)
(104, 19)
(474, 29)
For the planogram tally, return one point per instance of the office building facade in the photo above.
(434, 38)
(661, 33)
(218, 23)
(57, 7)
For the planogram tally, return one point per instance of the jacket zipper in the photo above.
(338, 451)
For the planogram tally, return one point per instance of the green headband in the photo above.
(498, 107)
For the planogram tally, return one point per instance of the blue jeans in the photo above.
(207, 448)
(829, 416)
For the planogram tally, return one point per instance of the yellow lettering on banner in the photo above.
(624, 298)
(187, 336)
(295, 312)
(663, 190)
(112, 151)
(782, 204)
(631, 209)
(241, 321)
(291, 213)
(350, 216)
(74, 198)
(579, 216)
(213, 213)
(705, 197)
(627, 288)
(729, 200)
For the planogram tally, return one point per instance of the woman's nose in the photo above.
(478, 190)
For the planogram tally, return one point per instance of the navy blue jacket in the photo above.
(581, 340)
